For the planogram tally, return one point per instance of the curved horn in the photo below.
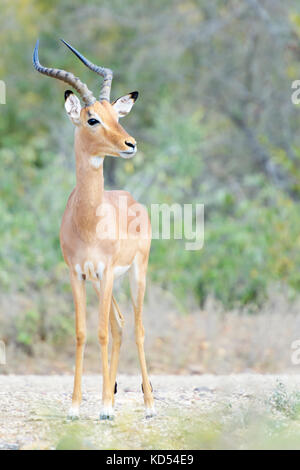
(107, 74)
(67, 77)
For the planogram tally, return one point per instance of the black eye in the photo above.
(92, 122)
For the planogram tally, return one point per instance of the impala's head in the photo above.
(97, 121)
(98, 125)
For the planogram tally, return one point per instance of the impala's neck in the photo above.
(88, 192)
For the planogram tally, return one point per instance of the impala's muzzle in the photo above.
(131, 146)
(128, 154)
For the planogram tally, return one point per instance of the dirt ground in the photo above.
(194, 412)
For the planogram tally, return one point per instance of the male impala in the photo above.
(89, 254)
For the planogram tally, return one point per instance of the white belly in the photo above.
(120, 270)
(95, 273)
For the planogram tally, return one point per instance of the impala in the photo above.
(89, 254)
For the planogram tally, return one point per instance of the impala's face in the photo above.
(99, 128)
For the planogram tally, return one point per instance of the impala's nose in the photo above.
(130, 144)
(131, 149)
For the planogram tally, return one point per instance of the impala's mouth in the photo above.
(127, 154)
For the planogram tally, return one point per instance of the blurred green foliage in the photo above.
(214, 124)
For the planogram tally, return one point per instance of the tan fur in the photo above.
(109, 140)
(80, 244)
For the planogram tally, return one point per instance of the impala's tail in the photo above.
(118, 315)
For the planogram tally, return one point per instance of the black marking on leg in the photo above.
(116, 388)
(150, 386)
(83, 277)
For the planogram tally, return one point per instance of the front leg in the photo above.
(79, 296)
(105, 299)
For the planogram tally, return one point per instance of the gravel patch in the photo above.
(34, 410)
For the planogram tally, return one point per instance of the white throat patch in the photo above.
(96, 162)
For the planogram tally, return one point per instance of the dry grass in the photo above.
(202, 341)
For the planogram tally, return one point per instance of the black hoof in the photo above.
(106, 417)
(150, 386)
(116, 388)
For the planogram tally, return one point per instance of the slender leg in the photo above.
(79, 296)
(116, 325)
(105, 299)
(116, 320)
(137, 287)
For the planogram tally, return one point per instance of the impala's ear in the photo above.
(124, 104)
(73, 107)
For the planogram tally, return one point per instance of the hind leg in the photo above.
(116, 321)
(137, 287)
(116, 325)
(105, 299)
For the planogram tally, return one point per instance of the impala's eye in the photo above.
(93, 122)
